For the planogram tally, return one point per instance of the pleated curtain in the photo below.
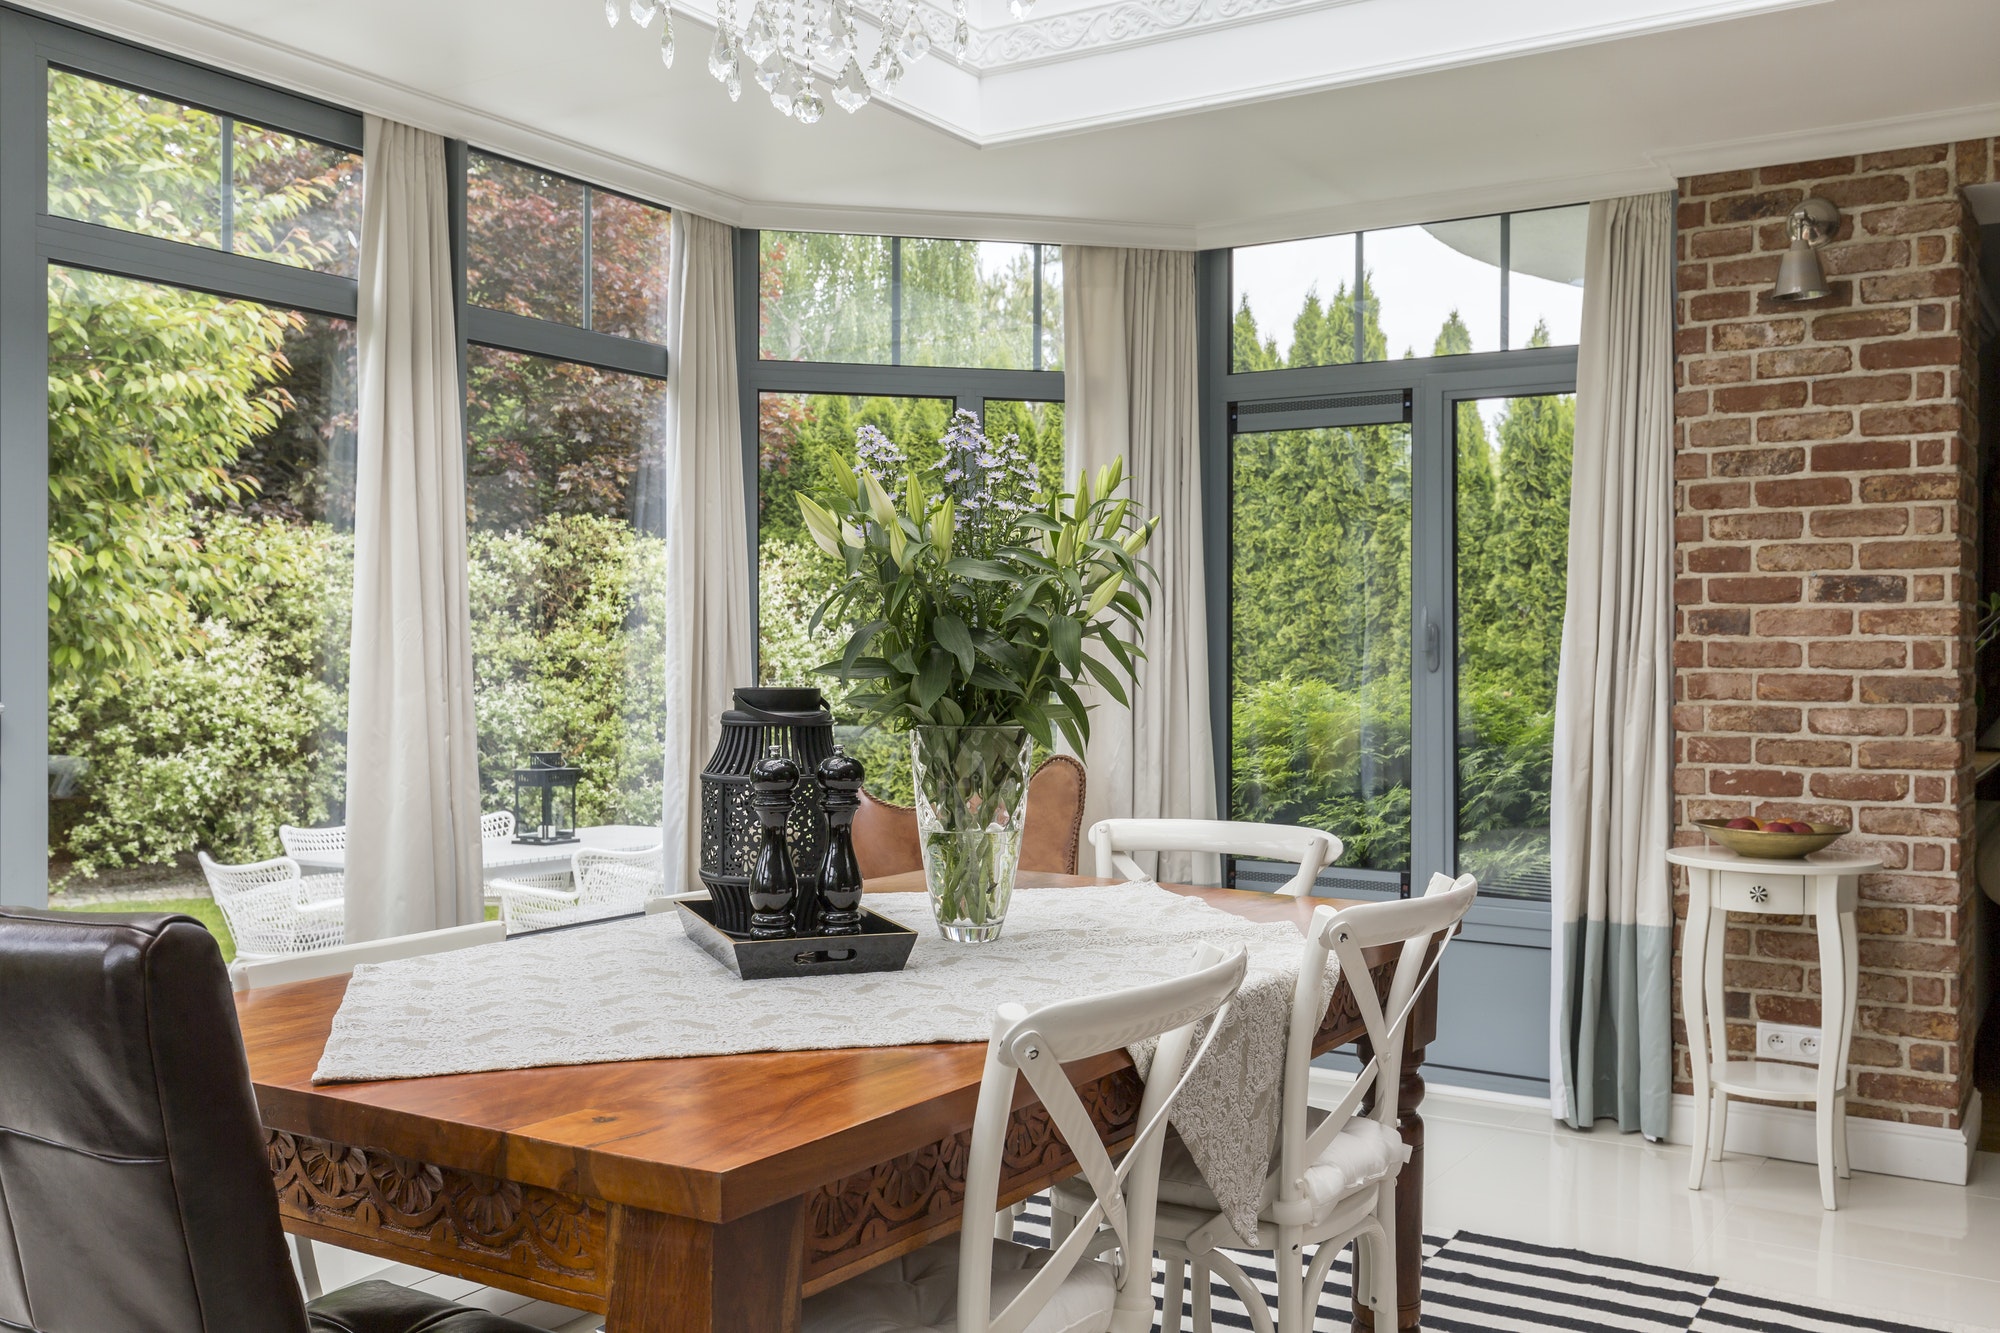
(413, 858)
(1611, 1023)
(709, 648)
(1131, 375)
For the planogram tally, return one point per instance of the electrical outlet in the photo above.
(1781, 1041)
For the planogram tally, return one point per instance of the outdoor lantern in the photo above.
(797, 722)
(545, 800)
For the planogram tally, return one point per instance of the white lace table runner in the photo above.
(638, 989)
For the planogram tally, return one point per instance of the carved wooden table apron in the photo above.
(695, 1194)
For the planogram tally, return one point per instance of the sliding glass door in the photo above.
(1389, 536)
(1319, 663)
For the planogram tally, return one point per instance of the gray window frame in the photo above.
(1434, 386)
(540, 337)
(30, 241)
(756, 376)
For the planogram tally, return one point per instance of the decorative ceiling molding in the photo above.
(1121, 23)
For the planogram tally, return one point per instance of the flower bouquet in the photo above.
(979, 603)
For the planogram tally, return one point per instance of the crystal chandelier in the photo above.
(788, 46)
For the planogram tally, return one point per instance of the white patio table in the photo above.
(505, 858)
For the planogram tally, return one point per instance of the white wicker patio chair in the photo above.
(499, 824)
(275, 912)
(600, 883)
(311, 841)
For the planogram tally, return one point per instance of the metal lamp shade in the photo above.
(545, 800)
(796, 721)
(1800, 277)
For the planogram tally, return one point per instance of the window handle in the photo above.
(1433, 644)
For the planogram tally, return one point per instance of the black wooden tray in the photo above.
(882, 946)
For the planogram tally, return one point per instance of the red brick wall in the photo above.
(1825, 529)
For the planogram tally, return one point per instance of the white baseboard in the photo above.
(1328, 1086)
(1887, 1147)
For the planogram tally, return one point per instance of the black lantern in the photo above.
(545, 800)
(797, 722)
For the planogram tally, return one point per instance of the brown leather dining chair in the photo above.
(885, 835)
(134, 1194)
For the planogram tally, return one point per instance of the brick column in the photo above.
(1825, 528)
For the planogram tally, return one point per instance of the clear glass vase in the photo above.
(972, 795)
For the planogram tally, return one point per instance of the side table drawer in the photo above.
(1744, 891)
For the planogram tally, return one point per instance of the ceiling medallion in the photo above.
(786, 43)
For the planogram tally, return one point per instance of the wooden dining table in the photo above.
(708, 1193)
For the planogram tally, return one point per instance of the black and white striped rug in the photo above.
(1483, 1284)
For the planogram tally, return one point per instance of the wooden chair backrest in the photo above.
(885, 835)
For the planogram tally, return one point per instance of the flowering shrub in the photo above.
(213, 747)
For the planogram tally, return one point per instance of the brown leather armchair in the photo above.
(134, 1194)
(885, 835)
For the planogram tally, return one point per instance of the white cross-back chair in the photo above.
(498, 824)
(1334, 1178)
(1116, 839)
(598, 883)
(273, 910)
(345, 958)
(312, 841)
(985, 1285)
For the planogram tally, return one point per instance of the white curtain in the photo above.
(709, 648)
(1131, 376)
(1611, 1024)
(412, 751)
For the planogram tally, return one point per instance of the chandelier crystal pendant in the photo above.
(791, 45)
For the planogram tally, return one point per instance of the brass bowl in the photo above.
(1770, 846)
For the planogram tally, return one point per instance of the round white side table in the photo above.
(1822, 886)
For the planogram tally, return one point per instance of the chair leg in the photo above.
(1003, 1221)
(1061, 1221)
(1382, 1282)
(1199, 1285)
(1721, 1126)
(1246, 1290)
(1171, 1298)
(1288, 1262)
(308, 1267)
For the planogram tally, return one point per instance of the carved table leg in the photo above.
(682, 1275)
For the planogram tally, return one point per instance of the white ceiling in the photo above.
(1166, 122)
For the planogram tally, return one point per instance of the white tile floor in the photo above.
(1915, 1248)
(1923, 1250)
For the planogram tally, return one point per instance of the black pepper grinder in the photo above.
(772, 883)
(839, 883)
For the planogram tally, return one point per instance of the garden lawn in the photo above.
(203, 910)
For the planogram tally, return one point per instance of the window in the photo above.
(565, 506)
(1485, 284)
(545, 247)
(146, 164)
(1320, 635)
(914, 330)
(895, 301)
(199, 464)
(565, 398)
(1512, 536)
(1388, 503)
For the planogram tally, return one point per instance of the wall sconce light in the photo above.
(1800, 278)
